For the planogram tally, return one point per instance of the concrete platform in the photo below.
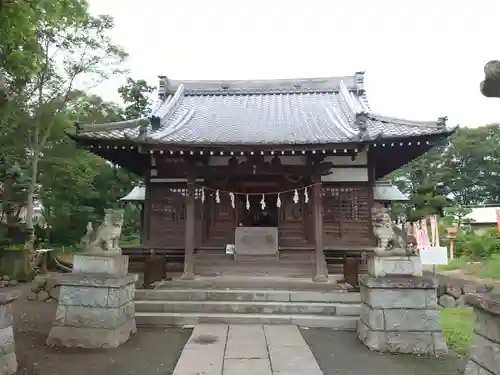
(246, 350)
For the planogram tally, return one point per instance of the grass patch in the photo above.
(457, 324)
(455, 264)
(489, 269)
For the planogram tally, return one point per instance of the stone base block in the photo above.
(91, 338)
(399, 315)
(94, 311)
(113, 264)
(429, 343)
(394, 265)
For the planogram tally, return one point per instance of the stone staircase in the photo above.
(188, 303)
(288, 264)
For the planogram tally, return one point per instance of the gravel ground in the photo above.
(148, 352)
(341, 353)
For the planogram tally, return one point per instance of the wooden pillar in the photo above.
(189, 241)
(320, 268)
(146, 214)
(142, 207)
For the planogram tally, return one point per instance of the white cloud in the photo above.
(423, 59)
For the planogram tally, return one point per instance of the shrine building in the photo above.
(269, 169)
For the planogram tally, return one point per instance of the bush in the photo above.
(476, 246)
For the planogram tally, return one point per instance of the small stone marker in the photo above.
(8, 360)
(96, 307)
(399, 308)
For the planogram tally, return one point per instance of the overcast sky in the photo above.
(423, 58)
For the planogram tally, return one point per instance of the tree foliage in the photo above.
(47, 49)
(464, 172)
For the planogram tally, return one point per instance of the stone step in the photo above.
(255, 271)
(249, 307)
(342, 323)
(247, 295)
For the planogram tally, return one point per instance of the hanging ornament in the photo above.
(202, 195)
(231, 196)
(278, 201)
(306, 195)
(217, 197)
(248, 204)
(296, 197)
(263, 202)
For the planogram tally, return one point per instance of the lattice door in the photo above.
(346, 215)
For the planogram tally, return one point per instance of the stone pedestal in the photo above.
(8, 360)
(395, 266)
(399, 308)
(96, 307)
(256, 241)
(485, 352)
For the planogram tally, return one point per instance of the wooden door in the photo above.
(222, 220)
(291, 225)
(167, 222)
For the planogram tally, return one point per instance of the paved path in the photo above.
(220, 349)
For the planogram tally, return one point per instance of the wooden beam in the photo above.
(244, 169)
(190, 239)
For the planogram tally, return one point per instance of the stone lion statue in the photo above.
(106, 237)
(391, 240)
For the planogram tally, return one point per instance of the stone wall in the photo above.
(451, 291)
(485, 352)
(8, 360)
(44, 288)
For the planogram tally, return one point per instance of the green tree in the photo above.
(21, 51)
(135, 94)
(83, 51)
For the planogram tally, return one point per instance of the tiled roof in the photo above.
(385, 191)
(304, 111)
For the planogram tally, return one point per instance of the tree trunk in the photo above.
(31, 196)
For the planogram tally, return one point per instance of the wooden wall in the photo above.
(346, 214)
(346, 217)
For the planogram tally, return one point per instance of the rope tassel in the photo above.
(248, 204)
(306, 195)
(296, 197)
(231, 196)
(278, 201)
(217, 197)
(263, 202)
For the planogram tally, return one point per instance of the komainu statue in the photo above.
(106, 237)
(391, 240)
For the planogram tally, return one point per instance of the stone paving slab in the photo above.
(204, 351)
(255, 366)
(251, 349)
(246, 341)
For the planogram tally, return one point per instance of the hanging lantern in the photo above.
(231, 196)
(248, 203)
(217, 197)
(278, 201)
(202, 195)
(296, 197)
(263, 202)
(306, 195)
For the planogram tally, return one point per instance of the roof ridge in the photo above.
(440, 123)
(117, 125)
(262, 86)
